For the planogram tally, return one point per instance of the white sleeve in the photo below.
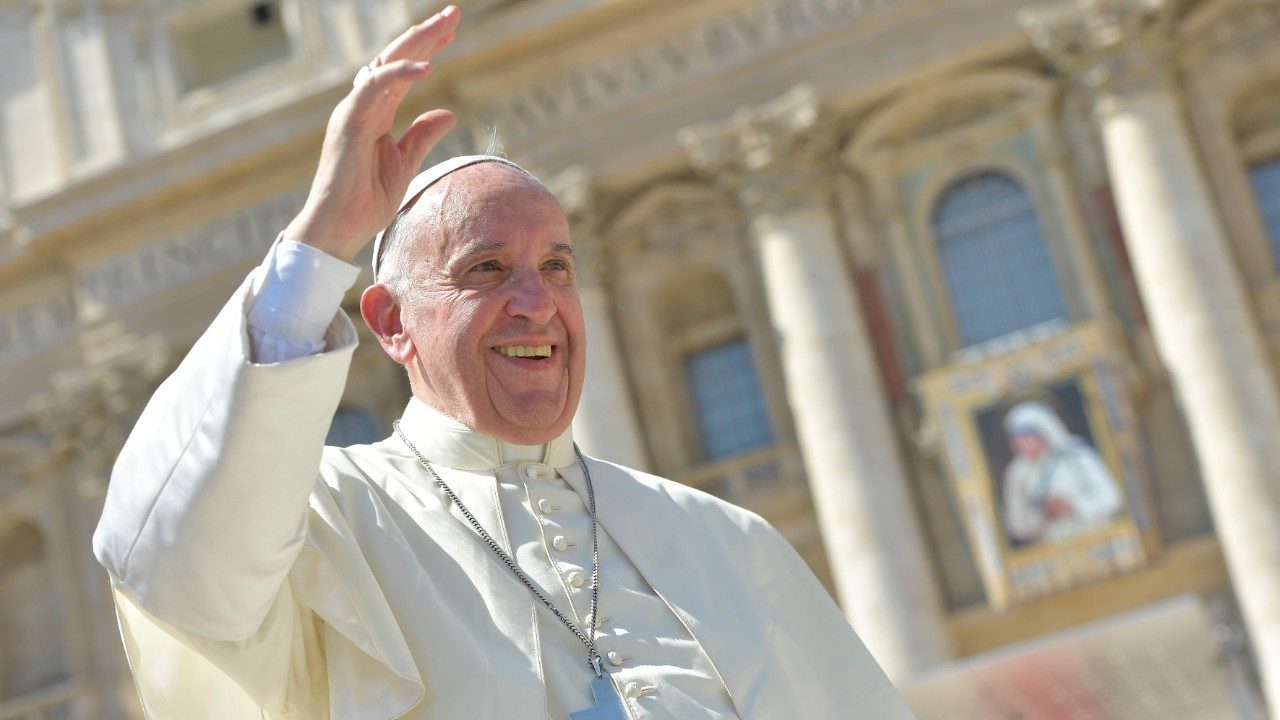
(210, 534)
(301, 289)
(207, 505)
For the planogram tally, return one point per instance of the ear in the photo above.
(382, 314)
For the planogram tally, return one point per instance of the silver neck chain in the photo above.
(587, 638)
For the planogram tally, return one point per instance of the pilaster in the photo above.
(1053, 157)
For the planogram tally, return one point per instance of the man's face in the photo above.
(490, 306)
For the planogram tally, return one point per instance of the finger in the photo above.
(424, 132)
(388, 84)
(422, 40)
(443, 42)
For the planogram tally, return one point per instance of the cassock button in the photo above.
(537, 472)
(577, 579)
(561, 543)
(546, 507)
(635, 690)
(617, 659)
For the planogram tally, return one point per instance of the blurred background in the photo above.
(978, 301)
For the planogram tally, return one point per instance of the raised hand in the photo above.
(364, 171)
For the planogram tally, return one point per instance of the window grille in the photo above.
(728, 400)
(1266, 187)
(994, 257)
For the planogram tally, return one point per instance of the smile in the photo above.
(525, 351)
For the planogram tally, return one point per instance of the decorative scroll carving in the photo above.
(726, 39)
(89, 413)
(675, 220)
(774, 157)
(1238, 30)
(1113, 47)
(22, 457)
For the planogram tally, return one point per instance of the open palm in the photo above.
(364, 170)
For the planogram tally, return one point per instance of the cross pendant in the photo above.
(608, 704)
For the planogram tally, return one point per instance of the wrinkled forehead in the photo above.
(474, 192)
(461, 173)
(482, 208)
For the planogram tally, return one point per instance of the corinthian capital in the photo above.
(1114, 47)
(774, 156)
(573, 188)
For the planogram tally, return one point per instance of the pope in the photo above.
(474, 564)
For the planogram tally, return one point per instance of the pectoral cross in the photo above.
(608, 704)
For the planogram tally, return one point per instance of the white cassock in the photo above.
(1069, 470)
(260, 574)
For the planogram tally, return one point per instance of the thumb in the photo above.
(424, 132)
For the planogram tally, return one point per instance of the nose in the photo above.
(530, 298)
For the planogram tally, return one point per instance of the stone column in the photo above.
(776, 159)
(605, 424)
(1201, 319)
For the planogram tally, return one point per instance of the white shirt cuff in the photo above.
(300, 292)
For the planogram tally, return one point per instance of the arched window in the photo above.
(704, 329)
(994, 258)
(727, 399)
(1265, 177)
(353, 426)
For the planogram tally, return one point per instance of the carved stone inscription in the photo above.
(733, 37)
(36, 326)
(184, 256)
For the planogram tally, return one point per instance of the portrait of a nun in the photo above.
(1057, 486)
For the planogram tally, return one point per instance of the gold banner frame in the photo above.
(1082, 376)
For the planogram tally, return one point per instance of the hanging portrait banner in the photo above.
(1046, 461)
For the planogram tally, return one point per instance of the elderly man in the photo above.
(473, 564)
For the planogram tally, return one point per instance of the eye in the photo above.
(486, 266)
(557, 265)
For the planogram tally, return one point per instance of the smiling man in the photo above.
(474, 564)
(478, 269)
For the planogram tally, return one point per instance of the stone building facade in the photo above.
(796, 219)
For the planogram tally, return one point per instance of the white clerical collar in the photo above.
(445, 441)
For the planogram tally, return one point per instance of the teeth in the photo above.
(525, 350)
